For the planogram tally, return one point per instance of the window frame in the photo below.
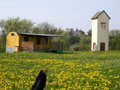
(45, 40)
(26, 39)
(103, 25)
(12, 34)
(38, 41)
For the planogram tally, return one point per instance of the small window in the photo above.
(103, 25)
(45, 40)
(25, 39)
(38, 41)
(12, 34)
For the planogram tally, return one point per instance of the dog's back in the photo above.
(40, 82)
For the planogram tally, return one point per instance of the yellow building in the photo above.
(31, 42)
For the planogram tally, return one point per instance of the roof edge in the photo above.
(98, 14)
(34, 34)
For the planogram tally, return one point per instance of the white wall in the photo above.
(100, 34)
(103, 34)
(94, 32)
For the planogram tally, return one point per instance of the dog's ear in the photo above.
(46, 70)
(43, 70)
(39, 70)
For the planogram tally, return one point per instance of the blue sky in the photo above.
(61, 13)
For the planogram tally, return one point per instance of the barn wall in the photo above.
(33, 42)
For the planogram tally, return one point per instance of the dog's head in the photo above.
(43, 71)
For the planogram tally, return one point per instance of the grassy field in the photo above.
(69, 71)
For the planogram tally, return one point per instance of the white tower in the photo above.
(100, 31)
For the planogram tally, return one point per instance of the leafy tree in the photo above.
(71, 32)
(14, 24)
(89, 33)
(115, 43)
(2, 41)
(36, 29)
(85, 42)
(114, 39)
(17, 25)
(2, 26)
(113, 33)
(47, 28)
(66, 38)
(82, 32)
(26, 26)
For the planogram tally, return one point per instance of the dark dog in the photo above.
(40, 82)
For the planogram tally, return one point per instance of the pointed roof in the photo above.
(98, 14)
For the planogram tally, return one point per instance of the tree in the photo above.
(66, 38)
(14, 24)
(82, 32)
(2, 41)
(89, 33)
(115, 43)
(47, 28)
(59, 31)
(17, 25)
(85, 42)
(26, 26)
(114, 39)
(2, 26)
(71, 32)
(36, 29)
(113, 33)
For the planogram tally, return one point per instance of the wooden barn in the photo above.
(16, 42)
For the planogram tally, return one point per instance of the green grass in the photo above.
(84, 70)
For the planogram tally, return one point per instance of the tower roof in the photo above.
(98, 14)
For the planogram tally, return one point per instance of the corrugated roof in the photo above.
(33, 34)
(98, 14)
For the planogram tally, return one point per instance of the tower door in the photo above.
(102, 46)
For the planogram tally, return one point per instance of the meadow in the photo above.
(84, 70)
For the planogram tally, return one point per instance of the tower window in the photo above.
(103, 25)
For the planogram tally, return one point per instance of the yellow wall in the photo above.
(12, 41)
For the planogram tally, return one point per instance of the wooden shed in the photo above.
(16, 42)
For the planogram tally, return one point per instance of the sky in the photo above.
(61, 13)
